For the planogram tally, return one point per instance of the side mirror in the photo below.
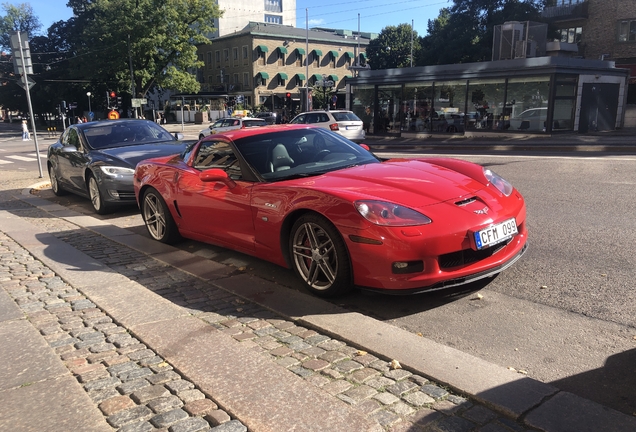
(69, 149)
(217, 175)
(178, 136)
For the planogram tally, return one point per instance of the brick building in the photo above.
(598, 30)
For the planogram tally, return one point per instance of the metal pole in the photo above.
(308, 108)
(89, 105)
(25, 81)
(182, 103)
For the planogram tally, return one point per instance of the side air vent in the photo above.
(466, 201)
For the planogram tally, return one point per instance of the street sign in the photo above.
(30, 81)
(239, 98)
(138, 102)
(113, 115)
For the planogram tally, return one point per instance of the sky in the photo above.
(340, 14)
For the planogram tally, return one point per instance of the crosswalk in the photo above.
(29, 157)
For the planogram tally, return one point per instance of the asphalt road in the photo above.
(564, 314)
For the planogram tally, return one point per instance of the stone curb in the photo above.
(539, 405)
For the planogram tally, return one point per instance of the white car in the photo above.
(532, 119)
(342, 122)
(231, 123)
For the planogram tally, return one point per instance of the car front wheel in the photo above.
(97, 199)
(319, 256)
(55, 184)
(157, 217)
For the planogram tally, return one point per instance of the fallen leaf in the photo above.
(512, 369)
(163, 364)
(634, 337)
(395, 364)
(544, 287)
(523, 372)
(516, 349)
(420, 335)
(361, 353)
(480, 296)
(239, 309)
(603, 274)
(241, 268)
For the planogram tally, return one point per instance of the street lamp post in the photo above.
(89, 105)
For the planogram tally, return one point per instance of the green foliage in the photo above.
(17, 18)
(464, 32)
(392, 47)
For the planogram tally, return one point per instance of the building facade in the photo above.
(541, 95)
(237, 13)
(599, 30)
(262, 63)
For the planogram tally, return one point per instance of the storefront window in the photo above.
(363, 105)
(527, 103)
(418, 98)
(390, 111)
(449, 106)
(486, 104)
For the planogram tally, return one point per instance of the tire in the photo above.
(319, 256)
(157, 218)
(55, 184)
(96, 197)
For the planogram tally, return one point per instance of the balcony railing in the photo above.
(566, 12)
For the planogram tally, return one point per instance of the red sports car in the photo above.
(309, 199)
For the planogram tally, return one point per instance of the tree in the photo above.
(155, 38)
(464, 32)
(17, 18)
(392, 47)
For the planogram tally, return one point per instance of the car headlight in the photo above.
(498, 182)
(115, 171)
(388, 214)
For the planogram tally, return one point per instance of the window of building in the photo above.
(226, 56)
(316, 60)
(568, 2)
(236, 79)
(332, 60)
(274, 6)
(299, 59)
(245, 55)
(571, 35)
(281, 58)
(627, 31)
(282, 79)
(209, 59)
(235, 54)
(261, 57)
(217, 57)
(246, 80)
(274, 19)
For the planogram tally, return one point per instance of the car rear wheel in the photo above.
(97, 199)
(319, 256)
(157, 217)
(55, 184)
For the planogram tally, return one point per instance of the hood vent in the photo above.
(466, 201)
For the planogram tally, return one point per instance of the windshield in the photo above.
(254, 123)
(121, 134)
(282, 155)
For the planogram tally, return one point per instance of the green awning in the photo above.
(364, 55)
(349, 53)
(333, 77)
(348, 76)
(318, 52)
(263, 48)
(264, 75)
(282, 75)
(334, 53)
(301, 76)
(282, 49)
(317, 77)
(301, 51)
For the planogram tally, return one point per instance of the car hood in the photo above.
(408, 182)
(132, 155)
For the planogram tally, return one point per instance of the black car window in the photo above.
(72, 139)
(345, 116)
(254, 123)
(218, 154)
(299, 120)
(313, 118)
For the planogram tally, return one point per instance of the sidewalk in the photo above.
(107, 330)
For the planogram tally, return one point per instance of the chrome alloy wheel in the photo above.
(315, 256)
(154, 216)
(93, 191)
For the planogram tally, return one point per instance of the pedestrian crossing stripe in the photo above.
(2, 162)
(42, 155)
(21, 158)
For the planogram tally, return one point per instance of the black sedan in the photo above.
(97, 159)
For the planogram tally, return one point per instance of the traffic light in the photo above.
(113, 95)
(118, 100)
(288, 99)
(64, 106)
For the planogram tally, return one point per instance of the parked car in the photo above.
(309, 199)
(269, 117)
(97, 159)
(532, 119)
(342, 122)
(231, 123)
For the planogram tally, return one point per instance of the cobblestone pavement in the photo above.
(137, 390)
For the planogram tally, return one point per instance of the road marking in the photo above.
(2, 162)
(21, 158)
(42, 155)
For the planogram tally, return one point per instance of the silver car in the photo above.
(231, 123)
(342, 122)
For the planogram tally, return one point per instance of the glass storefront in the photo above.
(513, 105)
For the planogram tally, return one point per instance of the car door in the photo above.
(72, 160)
(214, 210)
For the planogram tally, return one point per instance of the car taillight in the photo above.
(334, 127)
